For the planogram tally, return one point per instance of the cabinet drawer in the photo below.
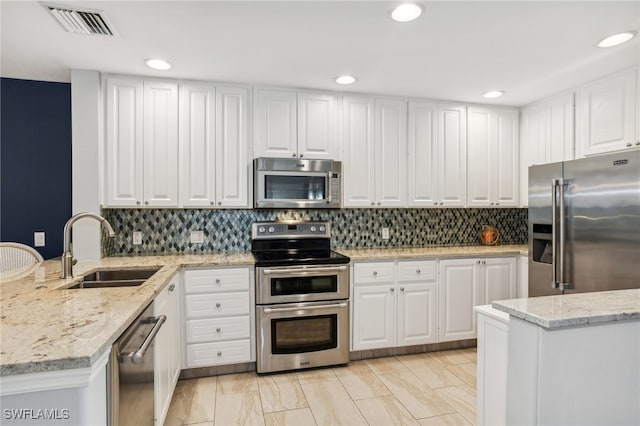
(211, 280)
(373, 272)
(420, 270)
(217, 305)
(217, 329)
(208, 354)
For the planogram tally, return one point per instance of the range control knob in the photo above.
(272, 229)
(322, 228)
(313, 228)
(261, 229)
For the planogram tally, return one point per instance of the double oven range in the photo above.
(302, 297)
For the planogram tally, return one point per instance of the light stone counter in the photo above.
(383, 253)
(45, 327)
(570, 310)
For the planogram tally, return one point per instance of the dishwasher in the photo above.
(131, 377)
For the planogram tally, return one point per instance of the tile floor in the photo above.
(437, 388)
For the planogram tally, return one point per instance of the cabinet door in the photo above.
(457, 297)
(480, 159)
(532, 145)
(497, 279)
(232, 162)
(422, 150)
(452, 140)
(124, 142)
(197, 145)
(374, 316)
(160, 144)
(358, 151)
(391, 152)
(417, 313)
(275, 124)
(317, 125)
(504, 159)
(608, 113)
(559, 128)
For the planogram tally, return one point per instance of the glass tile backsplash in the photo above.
(167, 231)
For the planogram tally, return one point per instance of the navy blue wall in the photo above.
(35, 161)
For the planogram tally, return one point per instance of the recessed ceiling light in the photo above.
(616, 39)
(406, 12)
(158, 64)
(345, 79)
(493, 94)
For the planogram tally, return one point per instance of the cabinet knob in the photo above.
(441, 203)
(378, 202)
(491, 203)
(219, 353)
(219, 203)
(301, 155)
(218, 330)
(212, 203)
(629, 144)
(435, 203)
(146, 203)
(497, 204)
(484, 262)
(478, 262)
(373, 204)
(401, 288)
(217, 280)
(638, 143)
(417, 271)
(392, 289)
(172, 287)
(375, 273)
(138, 202)
(293, 155)
(217, 305)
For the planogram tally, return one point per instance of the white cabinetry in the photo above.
(218, 317)
(393, 308)
(493, 157)
(142, 143)
(167, 349)
(547, 136)
(465, 283)
(437, 154)
(213, 146)
(375, 152)
(296, 124)
(608, 114)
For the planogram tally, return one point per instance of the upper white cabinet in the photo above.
(492, 166)
(375, 152)
(608, 114)
(296, 124)
(547, 135)
(142, 143)
(437, 154)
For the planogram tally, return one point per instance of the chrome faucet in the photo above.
(67, 256)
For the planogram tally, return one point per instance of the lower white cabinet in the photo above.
(167, 349)
(219, 321)
(465, 283)
(394, 304)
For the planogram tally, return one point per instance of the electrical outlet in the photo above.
(137, 238)
(38, 239)
(197, 237)
(385, 233)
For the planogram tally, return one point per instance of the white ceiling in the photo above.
(457, 50)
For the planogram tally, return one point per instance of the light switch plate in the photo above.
(385, 233)
(38, 239)
(197, 237)
(137, 238)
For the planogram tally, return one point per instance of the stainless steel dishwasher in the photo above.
(131, 377)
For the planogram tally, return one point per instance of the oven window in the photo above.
(288, 187)
(304, 285)
(304, 334)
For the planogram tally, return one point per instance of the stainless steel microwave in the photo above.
(299, 184)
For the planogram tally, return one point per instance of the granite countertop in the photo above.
(390, 253)
(570, 310)
(46, 327)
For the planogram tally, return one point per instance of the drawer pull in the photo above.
(218, 330)
(217, 280)
(401, 288)
(375, 273)
(172, 287)
(392, 289)
(417, 271)
(217, 305)
(219, 353)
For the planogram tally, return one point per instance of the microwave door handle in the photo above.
(327, 187)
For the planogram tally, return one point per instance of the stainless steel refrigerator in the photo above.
(584, 225)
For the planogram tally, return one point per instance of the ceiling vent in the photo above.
(73, 20)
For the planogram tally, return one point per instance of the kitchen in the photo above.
(377, 132)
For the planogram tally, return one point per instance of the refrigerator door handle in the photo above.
(554, 255)
(562, 285)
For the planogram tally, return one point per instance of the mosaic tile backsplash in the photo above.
(167, 231)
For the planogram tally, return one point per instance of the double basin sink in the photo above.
(107, 278)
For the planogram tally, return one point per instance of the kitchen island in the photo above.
(572, 359)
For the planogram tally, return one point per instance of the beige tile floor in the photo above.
(437, 388)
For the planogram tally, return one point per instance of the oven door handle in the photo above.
(305, 308)
(288, 270)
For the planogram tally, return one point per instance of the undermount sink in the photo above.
(115, 278)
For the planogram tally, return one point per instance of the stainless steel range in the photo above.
(302, 297)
